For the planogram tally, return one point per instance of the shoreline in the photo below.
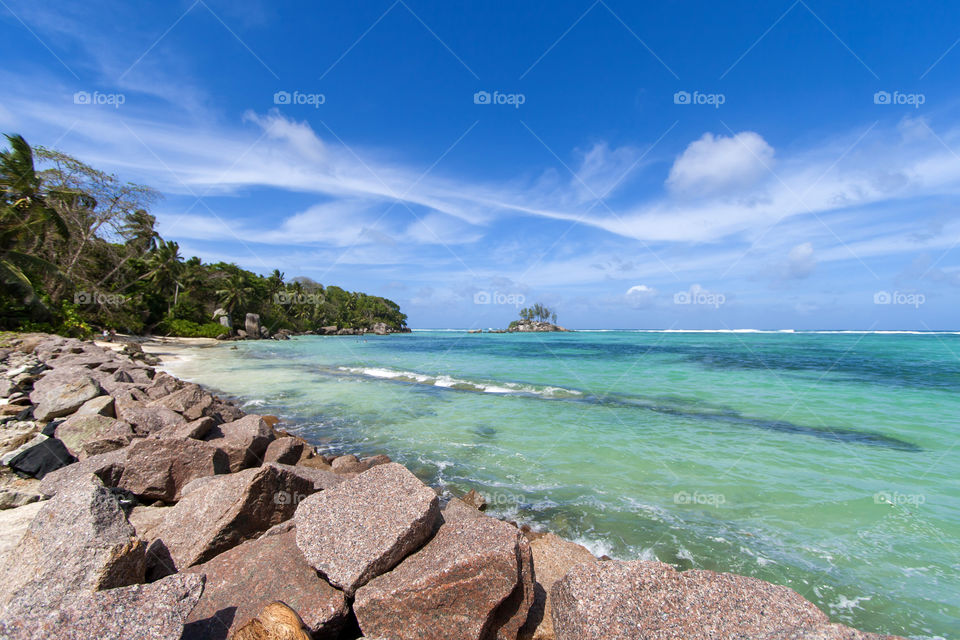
(551, 552)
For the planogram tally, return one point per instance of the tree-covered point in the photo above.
(79, 252)
(538, 312)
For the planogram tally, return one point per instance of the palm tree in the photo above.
(235, 294)
(164, 266)
(25, 215)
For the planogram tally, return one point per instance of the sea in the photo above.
(826, 461)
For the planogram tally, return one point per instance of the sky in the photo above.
(786, 164)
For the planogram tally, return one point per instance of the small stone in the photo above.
(277, 621)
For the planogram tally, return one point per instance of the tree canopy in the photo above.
(79, 251)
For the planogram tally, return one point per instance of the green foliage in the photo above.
(188, 329)
(79, 251)
(538, 312)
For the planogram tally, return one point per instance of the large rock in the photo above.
(156, 611)
(99, 406)
(147, 420)
(13, 525)
(221, 514)
(158, 468)
(15, 434)
(80, 540)
(93, 434)
(627, 600)
(252, 325)
(245, 441)
(245, 579)
(465, 578)
(287, 450)
(360, 529)
(276, 621)
(56, 397)
(108, 467)
(163, 384)
(553, 557)
(191, 402)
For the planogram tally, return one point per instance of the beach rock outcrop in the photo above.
(252, 325)
(221, 513)
(360, 529)
(626, 600)
(249, 577)
(245, 441)
(158, 468)
(287, 450)
(553, 557)
(78, 541)
(55, 396)
(156, 611)
(460, 580)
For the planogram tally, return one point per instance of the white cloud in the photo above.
(801, 261)
(640, 295)
(714, 164)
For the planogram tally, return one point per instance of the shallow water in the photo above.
(826, 462)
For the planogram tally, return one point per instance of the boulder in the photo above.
(252, 325)
(227, 511)
(360, 529)
(277, 621)
(351, 464)
(475, 500)
(284, 450)
(626, 600)
(147, 420)
(55, 397)
(195, 430)
(245, 579)
(99, 406)
(462, 579)
(191, 402)
(158, 468)
(41, 458)
(15, 434)
(320, 479)
(163, 384)
(245, 441)
(108, 467)
(380, 328)
(553, 557)
(156, 611)
(143, 519)
(80, 540)
(456, 510)
(13, 525)
(101, 433)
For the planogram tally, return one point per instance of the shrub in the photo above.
(190, 329)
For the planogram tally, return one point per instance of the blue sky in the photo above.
(679, 164)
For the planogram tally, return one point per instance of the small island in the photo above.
(537, 318)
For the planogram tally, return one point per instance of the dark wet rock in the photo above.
(80, 540)
(223, 512)
(460, 580)
(245, 579)
(360, 529)
(158, 468)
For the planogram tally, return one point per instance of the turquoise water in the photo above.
(826, 462)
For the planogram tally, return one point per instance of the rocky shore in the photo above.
(532, 326)
(135, 505)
